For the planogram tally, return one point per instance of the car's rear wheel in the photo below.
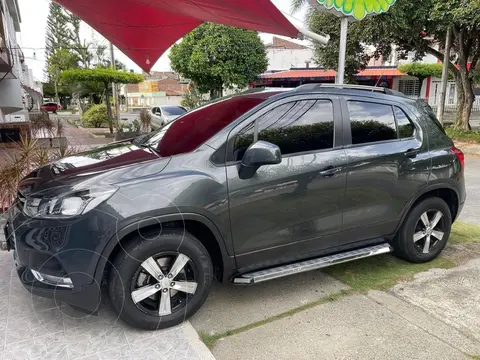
(160, 282)
(424, 232)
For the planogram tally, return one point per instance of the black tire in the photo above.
(405, 244)
(123, 279)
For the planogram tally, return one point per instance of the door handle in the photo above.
(412, 153)
(330, 171)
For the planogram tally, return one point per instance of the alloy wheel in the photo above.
(164, 283)
(429, 231)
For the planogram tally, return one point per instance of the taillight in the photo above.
(459, 154)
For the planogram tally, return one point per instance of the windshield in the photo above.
(189, 131)
(173, 110)
(154, 138)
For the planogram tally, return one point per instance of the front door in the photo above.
(287, 211)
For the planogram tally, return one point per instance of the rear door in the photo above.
(387, 166)
(290, 210)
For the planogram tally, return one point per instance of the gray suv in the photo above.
(253, 187)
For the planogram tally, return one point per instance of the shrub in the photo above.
(95, 117)
(27, 156)
(471, 136)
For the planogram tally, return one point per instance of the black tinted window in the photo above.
(173, 110)
(405, 127)
(294, 127)
(371, 122)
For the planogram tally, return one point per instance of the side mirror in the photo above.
(158, 113)
(258, 154)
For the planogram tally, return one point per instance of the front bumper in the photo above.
(62, 254)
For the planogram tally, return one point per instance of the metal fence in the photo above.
(450, 105)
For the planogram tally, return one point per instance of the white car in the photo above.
(162, 115)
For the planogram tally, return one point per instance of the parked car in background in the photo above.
(50, 107)
(253, 187)
(162, 115)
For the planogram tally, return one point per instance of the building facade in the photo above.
(159, 88)
(291, 64)
(18, 89)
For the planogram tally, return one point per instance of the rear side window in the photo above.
(405, 127)
(429, 111)
(294, 127)
(371, 122)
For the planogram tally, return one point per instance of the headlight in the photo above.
(67, 205)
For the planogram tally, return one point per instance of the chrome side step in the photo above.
(308, 265)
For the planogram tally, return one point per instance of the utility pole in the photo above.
(114, 87)
(443, 91)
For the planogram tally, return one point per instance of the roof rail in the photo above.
(350, 87)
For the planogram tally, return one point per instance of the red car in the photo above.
(51, 106)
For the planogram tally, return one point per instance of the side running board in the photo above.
(308, 265)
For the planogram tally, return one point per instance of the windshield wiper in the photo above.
(151, 148)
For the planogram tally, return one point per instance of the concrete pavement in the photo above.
(354, 327)
(471, 210)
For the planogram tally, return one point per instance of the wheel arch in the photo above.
(444, 191)
(197, 225)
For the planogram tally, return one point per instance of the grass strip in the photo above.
(211, 340)
(373, 273)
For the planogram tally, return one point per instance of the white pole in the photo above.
(114, 87)
(311, 35)
(342, 50)
(443, 90)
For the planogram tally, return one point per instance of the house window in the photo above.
(451, 94)
(409, 87)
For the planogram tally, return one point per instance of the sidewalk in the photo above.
(81, 139)
(436, 316)
(468, 148)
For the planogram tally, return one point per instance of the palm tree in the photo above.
(297, 5)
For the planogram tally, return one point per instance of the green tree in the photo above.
(57, 43)
(60, 60)
(103, 77)
(356, 57)
(216, 56)
(57, 33)
(418, 26)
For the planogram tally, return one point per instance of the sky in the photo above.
(34, 21)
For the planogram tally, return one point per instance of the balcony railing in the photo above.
(5, 55)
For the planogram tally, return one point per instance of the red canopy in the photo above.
(145, 29)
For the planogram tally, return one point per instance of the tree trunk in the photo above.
(467, 108)
(216, 92)
(468, 97)
(57, 98)
(460, 100)
(109, 110)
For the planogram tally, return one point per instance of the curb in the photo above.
(200, 348)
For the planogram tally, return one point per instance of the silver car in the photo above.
(164, 114)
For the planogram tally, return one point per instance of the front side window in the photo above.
(294, 127)
(371, 122)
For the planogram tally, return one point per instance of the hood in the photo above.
(107, 164)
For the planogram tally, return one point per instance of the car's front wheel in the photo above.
(424, 232)
(160, 281)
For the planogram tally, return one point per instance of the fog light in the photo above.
(65, 282)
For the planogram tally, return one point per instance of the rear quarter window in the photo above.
(427, 109)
